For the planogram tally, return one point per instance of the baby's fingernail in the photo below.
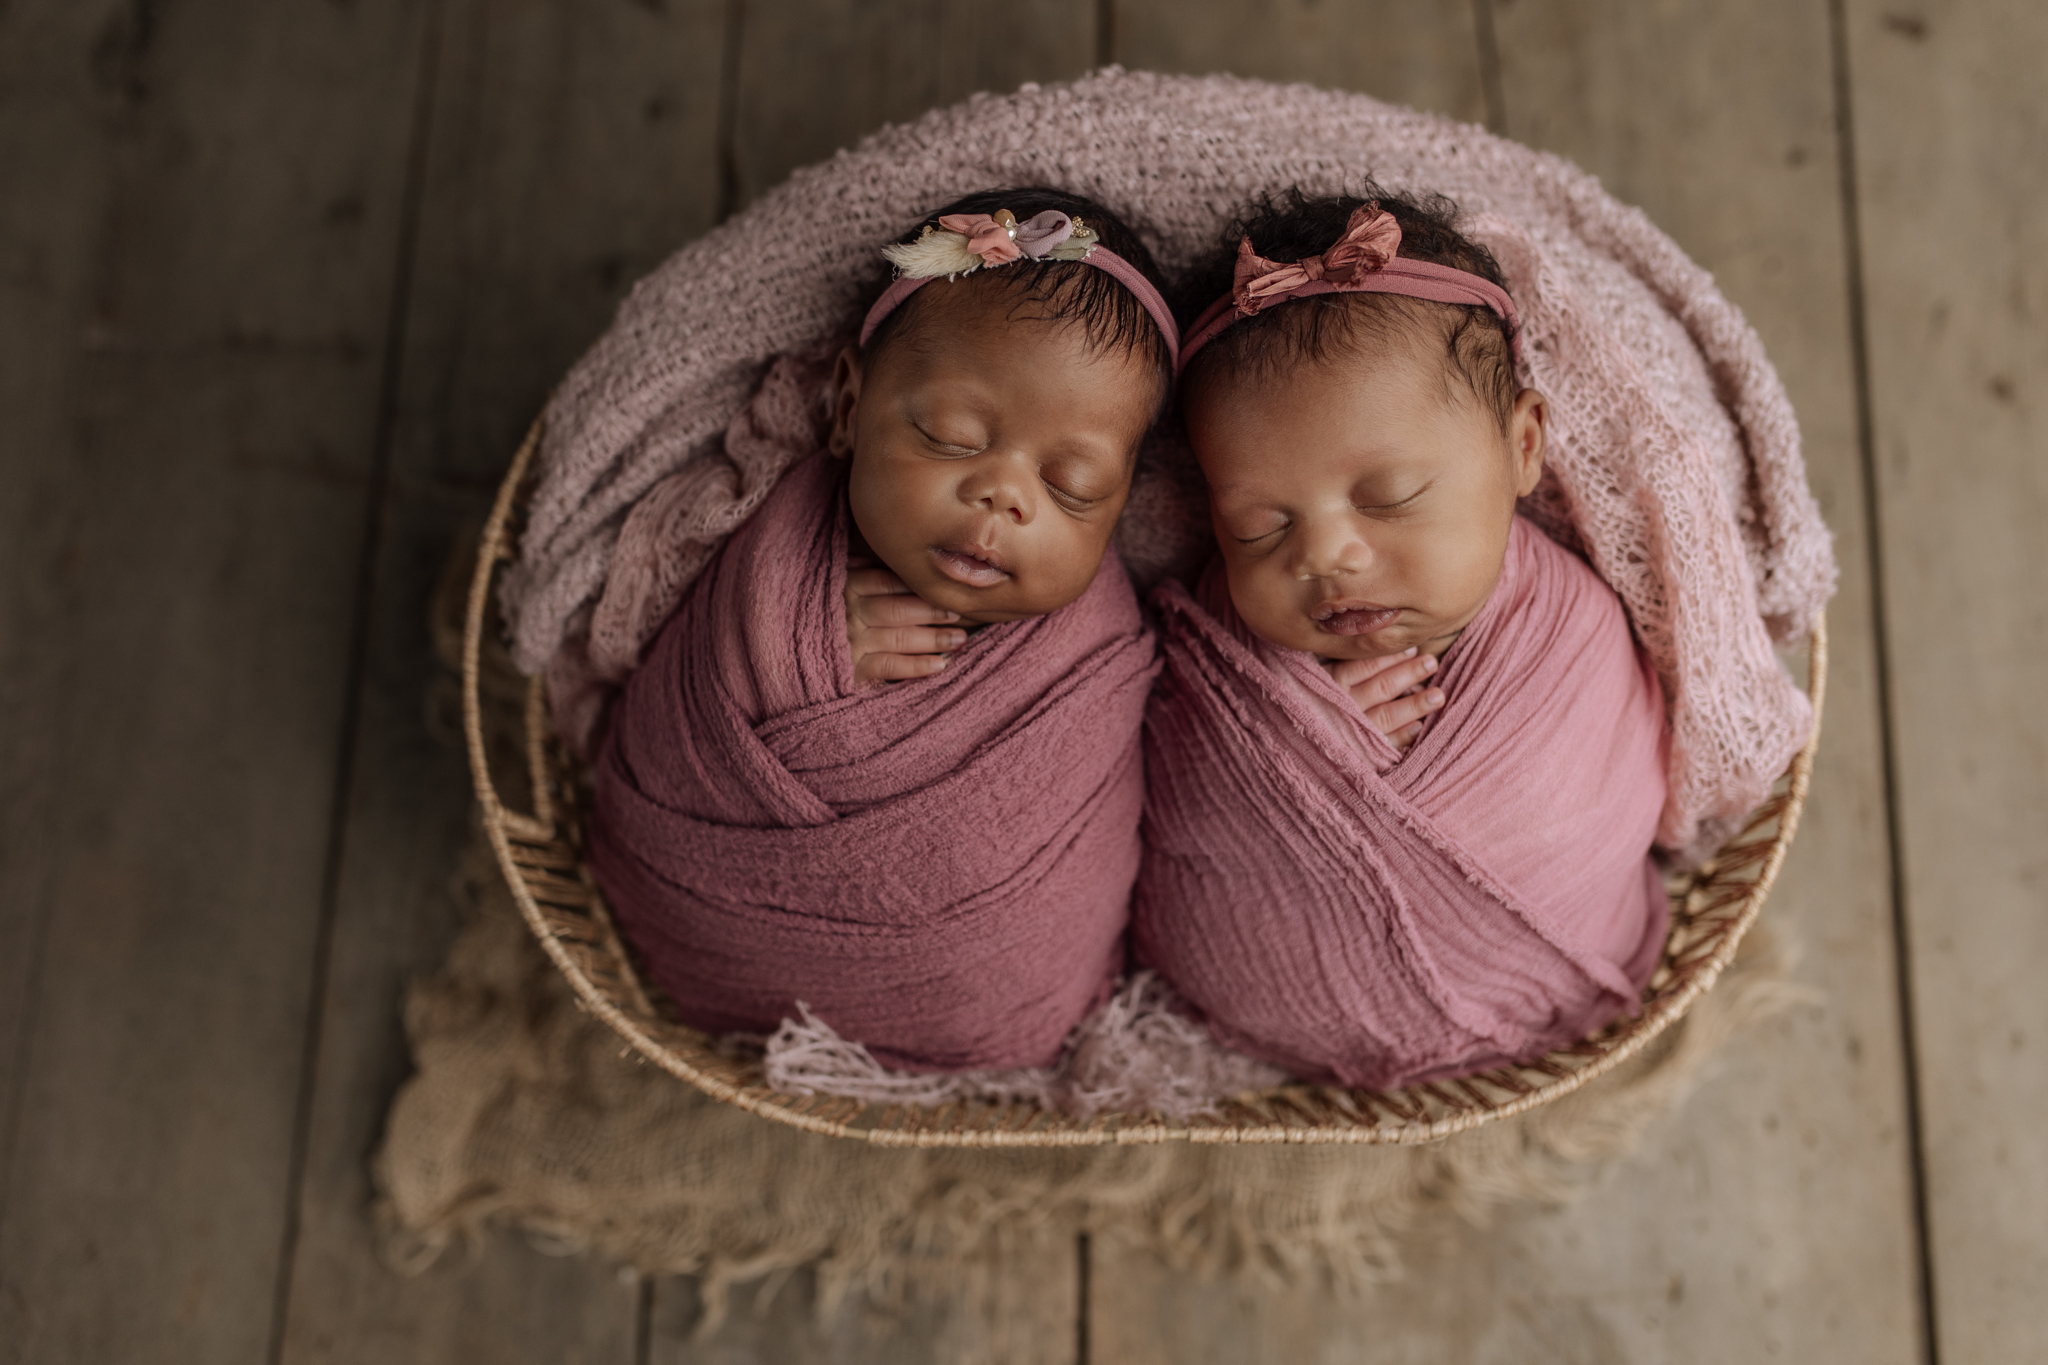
(1433, 698)
(1409, 652)
(949, 616)
(938, 663)
(955, 638)
(1429, 665)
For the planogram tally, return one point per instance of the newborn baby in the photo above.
(815, 791)
(1405, 763)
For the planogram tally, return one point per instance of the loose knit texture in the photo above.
(939, 869)
(1351, 912)
(1673, 461)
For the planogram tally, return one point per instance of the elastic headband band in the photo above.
(966, 242)
(1362, 262)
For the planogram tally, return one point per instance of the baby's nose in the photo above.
(1331, 553)
(998, 491)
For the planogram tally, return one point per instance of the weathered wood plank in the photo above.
(573, 146)
(1772, 1217)
(227, 218)
(50, 199)
(815, 77)
(1949, 126)
(1426, 56)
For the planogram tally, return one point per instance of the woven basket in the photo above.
(540, 854)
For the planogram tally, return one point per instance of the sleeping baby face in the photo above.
(991, 450)
(1362, 504)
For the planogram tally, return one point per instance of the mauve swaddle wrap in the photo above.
(1347, 911)
(1673, 461)
(940, 869)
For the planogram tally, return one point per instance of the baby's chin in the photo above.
(989, 606)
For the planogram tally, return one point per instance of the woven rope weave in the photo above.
(539, 854)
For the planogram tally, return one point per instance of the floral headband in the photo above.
(961, 243)
(1364, 260)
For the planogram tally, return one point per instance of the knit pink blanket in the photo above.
(1674, 456)
(1344, 910)
(939, 869)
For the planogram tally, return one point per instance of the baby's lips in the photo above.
(973, 567)
(1362, 620)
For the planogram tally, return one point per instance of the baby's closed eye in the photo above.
(1253, 527)
(947, 441)
(1078, 485)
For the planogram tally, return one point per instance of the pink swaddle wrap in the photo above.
(1347, 911)
(939, 869)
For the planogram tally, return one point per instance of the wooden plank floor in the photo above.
(281, 283)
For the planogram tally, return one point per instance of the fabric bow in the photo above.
(1371, 239)
(1001, 239)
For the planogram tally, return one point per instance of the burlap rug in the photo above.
(525, 1111)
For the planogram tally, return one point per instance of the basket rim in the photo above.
(1295, 1113)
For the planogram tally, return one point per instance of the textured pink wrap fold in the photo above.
(939, 869)
(1673, 461)
(1347, 911)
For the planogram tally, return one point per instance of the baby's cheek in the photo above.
(1263, 597)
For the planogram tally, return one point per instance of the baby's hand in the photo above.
(1390, 692)
(889, 628)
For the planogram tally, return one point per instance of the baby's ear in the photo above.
(1528, 425)
(846, 373)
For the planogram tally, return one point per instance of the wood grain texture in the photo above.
(1950, 124)
(1426, 56)
(815, 77)
(572, 147)
(209, 419)
(1770, 1218)
(51, 198)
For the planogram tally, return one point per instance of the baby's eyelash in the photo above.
(1397, 506)
(1253, 540)
(949, 447)
(1074, 500)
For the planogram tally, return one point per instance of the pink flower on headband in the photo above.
(986, 237)
(1371, 239)
(1001, 239)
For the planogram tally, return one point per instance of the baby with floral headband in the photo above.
(882, 768)
(1405, 761)
(992, 427)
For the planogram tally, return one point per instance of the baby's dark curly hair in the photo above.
(1110, 316)
(1476, 343)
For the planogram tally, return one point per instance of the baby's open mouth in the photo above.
(1352, 617)
(970, 564)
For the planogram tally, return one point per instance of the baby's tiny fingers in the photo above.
(1393, 682)
(902, 609)
(1403, 711)
(879, 668)
(1351, 672)
(914, 640)
(874, 583)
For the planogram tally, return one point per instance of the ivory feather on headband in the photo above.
(935, 253)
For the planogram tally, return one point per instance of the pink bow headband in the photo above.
(1364, 260)
(965, 242)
